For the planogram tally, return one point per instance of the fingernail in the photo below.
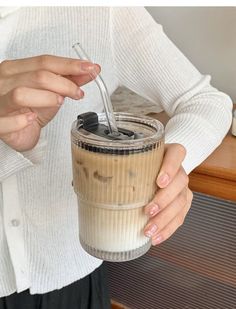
(157, 240)
(152, 209)
(163, 179)
(151, 230)
(31, 117)
(97, 68)
(87, 66)
(60, 100)
(79, 94)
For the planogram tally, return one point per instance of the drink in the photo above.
(113, 180)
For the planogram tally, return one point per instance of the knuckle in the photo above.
(181, 149)
(2, 92)
(182, 199)
(4, 67)
(181, 220)
(19, 122)
(190, 196)
(184, 178)
(18, 95)
(41, 77)
(44, 60)
(166, 234)
(71, 62)
(164, 199)
(69, 87)
(161, 202)
(187, 180)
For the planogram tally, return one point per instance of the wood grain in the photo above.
(217, 174)
(210, 185)
(115, 305)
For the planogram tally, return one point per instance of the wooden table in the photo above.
(217, 174)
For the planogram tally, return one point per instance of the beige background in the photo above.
(207, 36)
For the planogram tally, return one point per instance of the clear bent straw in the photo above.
(103, 90)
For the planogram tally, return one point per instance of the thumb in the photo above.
(173, 158)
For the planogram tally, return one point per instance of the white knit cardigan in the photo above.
(39, 244)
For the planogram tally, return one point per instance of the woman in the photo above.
(41, 262)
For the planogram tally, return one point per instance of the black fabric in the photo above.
(90, 292)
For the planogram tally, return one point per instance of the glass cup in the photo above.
(114, 180)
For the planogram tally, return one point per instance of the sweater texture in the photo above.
(39, 243)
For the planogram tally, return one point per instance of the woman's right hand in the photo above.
(32, 91)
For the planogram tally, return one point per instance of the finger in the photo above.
(177, 222)
(163, 218)
(54, 64)
(28, 97)
(15, 123)
(47, 81)
(173, 158)
(168, 194)
(83, 79)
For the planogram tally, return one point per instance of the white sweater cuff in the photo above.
(11, 161)
(35, 155)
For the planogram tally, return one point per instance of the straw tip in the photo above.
(74, 45)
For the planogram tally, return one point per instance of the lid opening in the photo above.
(89, 122)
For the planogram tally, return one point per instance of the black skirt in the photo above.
(90, 292)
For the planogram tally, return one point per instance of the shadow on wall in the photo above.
(207, 36)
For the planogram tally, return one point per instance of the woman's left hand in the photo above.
(173, 199)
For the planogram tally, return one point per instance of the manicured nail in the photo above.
(60, 100)
(163, 179)
(157, 240)
(151, 230)
(152, 209)
(87, 66)
(31, 117)
(79, 94)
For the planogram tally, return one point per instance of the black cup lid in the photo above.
(89, 122)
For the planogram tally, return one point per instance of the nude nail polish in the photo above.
(151, 230)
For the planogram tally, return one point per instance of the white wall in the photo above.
(207, 36)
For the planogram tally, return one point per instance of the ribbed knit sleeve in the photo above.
(148, 63)
(12, 161)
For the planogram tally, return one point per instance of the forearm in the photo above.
(200, 124)
(151, 65)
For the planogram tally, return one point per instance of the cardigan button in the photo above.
(15, 222)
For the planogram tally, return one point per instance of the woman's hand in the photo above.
(172, 201)
(32, 91)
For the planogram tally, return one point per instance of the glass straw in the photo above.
(103, 90)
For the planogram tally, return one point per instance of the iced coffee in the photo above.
(114, 179)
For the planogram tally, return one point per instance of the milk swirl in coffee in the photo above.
(114, 180)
